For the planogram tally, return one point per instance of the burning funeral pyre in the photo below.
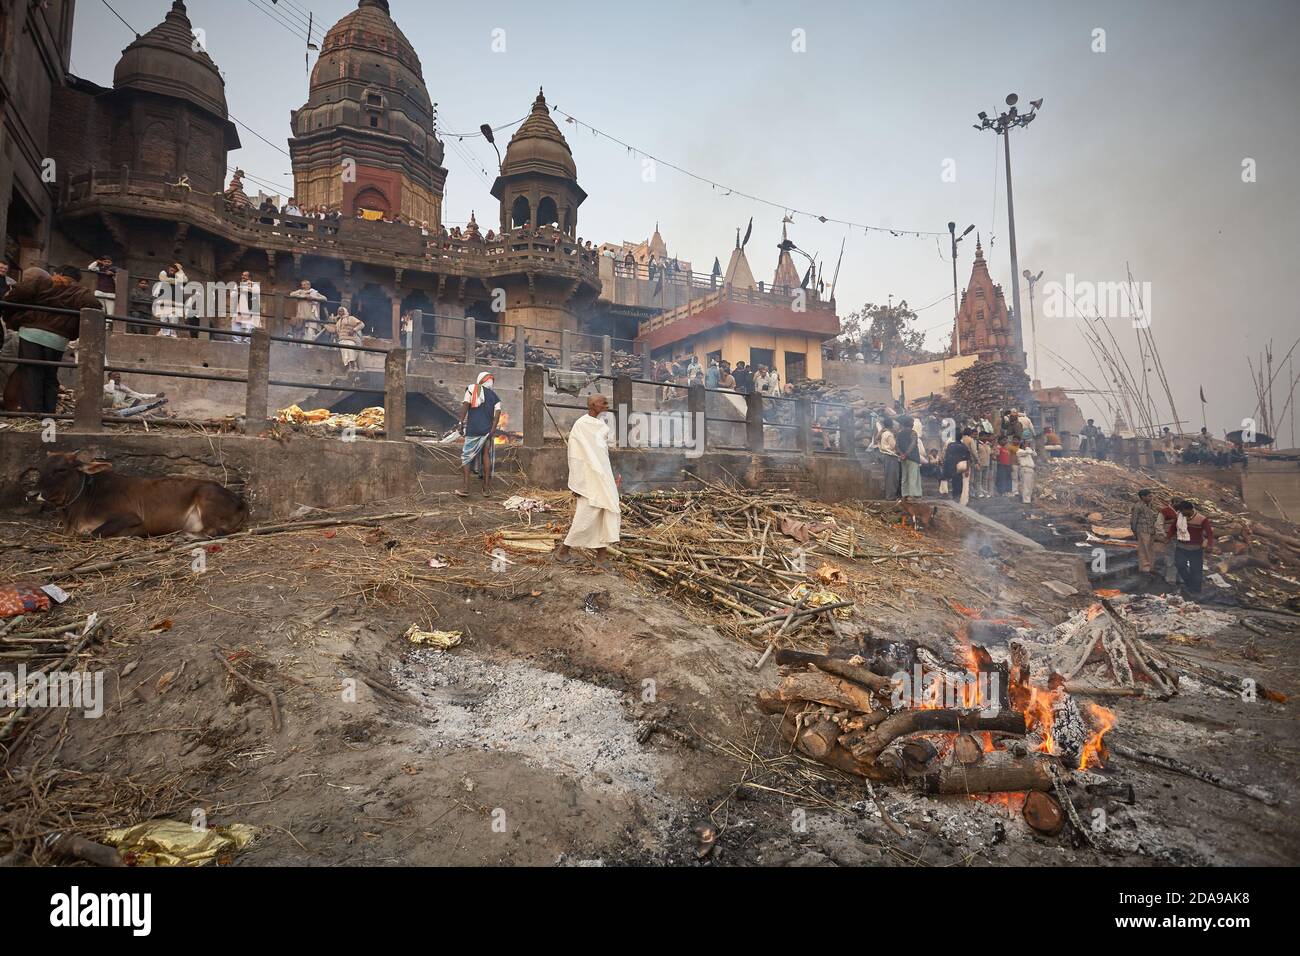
(1003, 720)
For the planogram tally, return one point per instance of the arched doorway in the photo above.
(372, 200)
(428, 321)
(373, 307)
(547, 214)
(520, 213)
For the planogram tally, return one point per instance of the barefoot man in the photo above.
(480, 413)
(595, 519)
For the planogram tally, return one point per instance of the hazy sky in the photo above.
(1136, 156)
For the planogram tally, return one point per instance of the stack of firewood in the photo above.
(986, 388)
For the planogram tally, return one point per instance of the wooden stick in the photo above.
(1196, 773)
(771, 644)
(253, 686)
(833, 665)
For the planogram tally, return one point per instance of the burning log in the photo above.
(967, 750)
(997, 772)
(867, 744)
(1043, 814)
(917, 754)
(1070, 732)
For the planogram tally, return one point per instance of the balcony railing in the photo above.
(408, 245)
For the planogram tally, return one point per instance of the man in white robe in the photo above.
(591, 478)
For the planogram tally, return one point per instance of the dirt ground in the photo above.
(585, 719)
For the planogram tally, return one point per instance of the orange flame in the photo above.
(501, 439)
(1038, 716)
(1094, 750)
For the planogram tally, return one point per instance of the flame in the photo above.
(988, 742)
(1094, 751)
(1038, 716)
(501, 439)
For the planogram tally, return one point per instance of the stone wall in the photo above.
(276, 477)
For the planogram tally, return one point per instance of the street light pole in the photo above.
(956, 302)
(1002, 126)
(1031, 279)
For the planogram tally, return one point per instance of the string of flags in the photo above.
(733, 191)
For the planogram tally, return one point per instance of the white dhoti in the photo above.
(596, 517)
(592, 527)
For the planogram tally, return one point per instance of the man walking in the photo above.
(480, 413)
(591, 478)
(1142, 522)
(1193, 537)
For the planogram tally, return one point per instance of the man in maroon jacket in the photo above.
(1193, 537)
(43, 336)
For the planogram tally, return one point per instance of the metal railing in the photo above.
(765, 416)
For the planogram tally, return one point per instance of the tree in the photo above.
(885, 329)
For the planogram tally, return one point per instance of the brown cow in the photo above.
(97, 502)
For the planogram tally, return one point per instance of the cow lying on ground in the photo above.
(95, 501)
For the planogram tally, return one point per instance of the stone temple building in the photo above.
(366, 137)
(147, 174)
(147, 159)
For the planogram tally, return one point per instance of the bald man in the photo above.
(591, 478)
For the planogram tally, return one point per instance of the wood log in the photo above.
(1069, 730)
(839, 668)
(998, 772)
(819, 738)
(817, 687)
(79, 848)
(967, 749)
(838, 758)
(867, 745)
(1043, 813)
(917, 754)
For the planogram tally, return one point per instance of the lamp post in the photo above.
(1031, 279)
(1002, 126)
(956, 302)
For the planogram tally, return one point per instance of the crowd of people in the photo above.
(972, 461)
(436, 239)
(719, 375)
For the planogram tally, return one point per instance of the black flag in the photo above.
(806, 276)
(748, 232)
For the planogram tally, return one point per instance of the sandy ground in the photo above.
(585, 718)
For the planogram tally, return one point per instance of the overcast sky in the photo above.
(1136, 156)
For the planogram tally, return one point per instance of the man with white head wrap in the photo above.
(480, 413)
